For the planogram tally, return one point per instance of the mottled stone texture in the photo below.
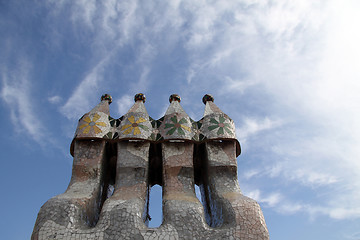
(78, 208)
(108, 194)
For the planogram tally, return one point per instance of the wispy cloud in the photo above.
(124, 104)
(16, 93)
(238, 86)
(352, 236)
(111, 29)
(301, 58)
(54, 99)
(142, 84)
(310, 78)
(270, 200)
(80, 99)
(312, 177)
(282, 204)
(276, 200)
(252, 126)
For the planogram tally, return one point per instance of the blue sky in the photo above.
(287, 72)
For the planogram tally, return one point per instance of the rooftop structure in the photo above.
(134, 152)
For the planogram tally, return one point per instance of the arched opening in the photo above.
(154, 217)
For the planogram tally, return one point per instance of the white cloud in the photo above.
(142, 84)
(124, 104)
(270, 200)
(280, 203)
(254, 194)
(239, 86)
(342, 213)
(312, 177)
(251, 173)
(301, 57)
(306, 176)
(16, 93)
(85, 10)
(333, 211)
(79, 101)
(290, 208)
(54, 99)
(252, 126)
(306, 60)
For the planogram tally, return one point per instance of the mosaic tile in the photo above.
(127, 153)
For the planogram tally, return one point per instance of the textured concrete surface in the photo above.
(116, 161)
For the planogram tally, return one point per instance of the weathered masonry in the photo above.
(116, 161)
